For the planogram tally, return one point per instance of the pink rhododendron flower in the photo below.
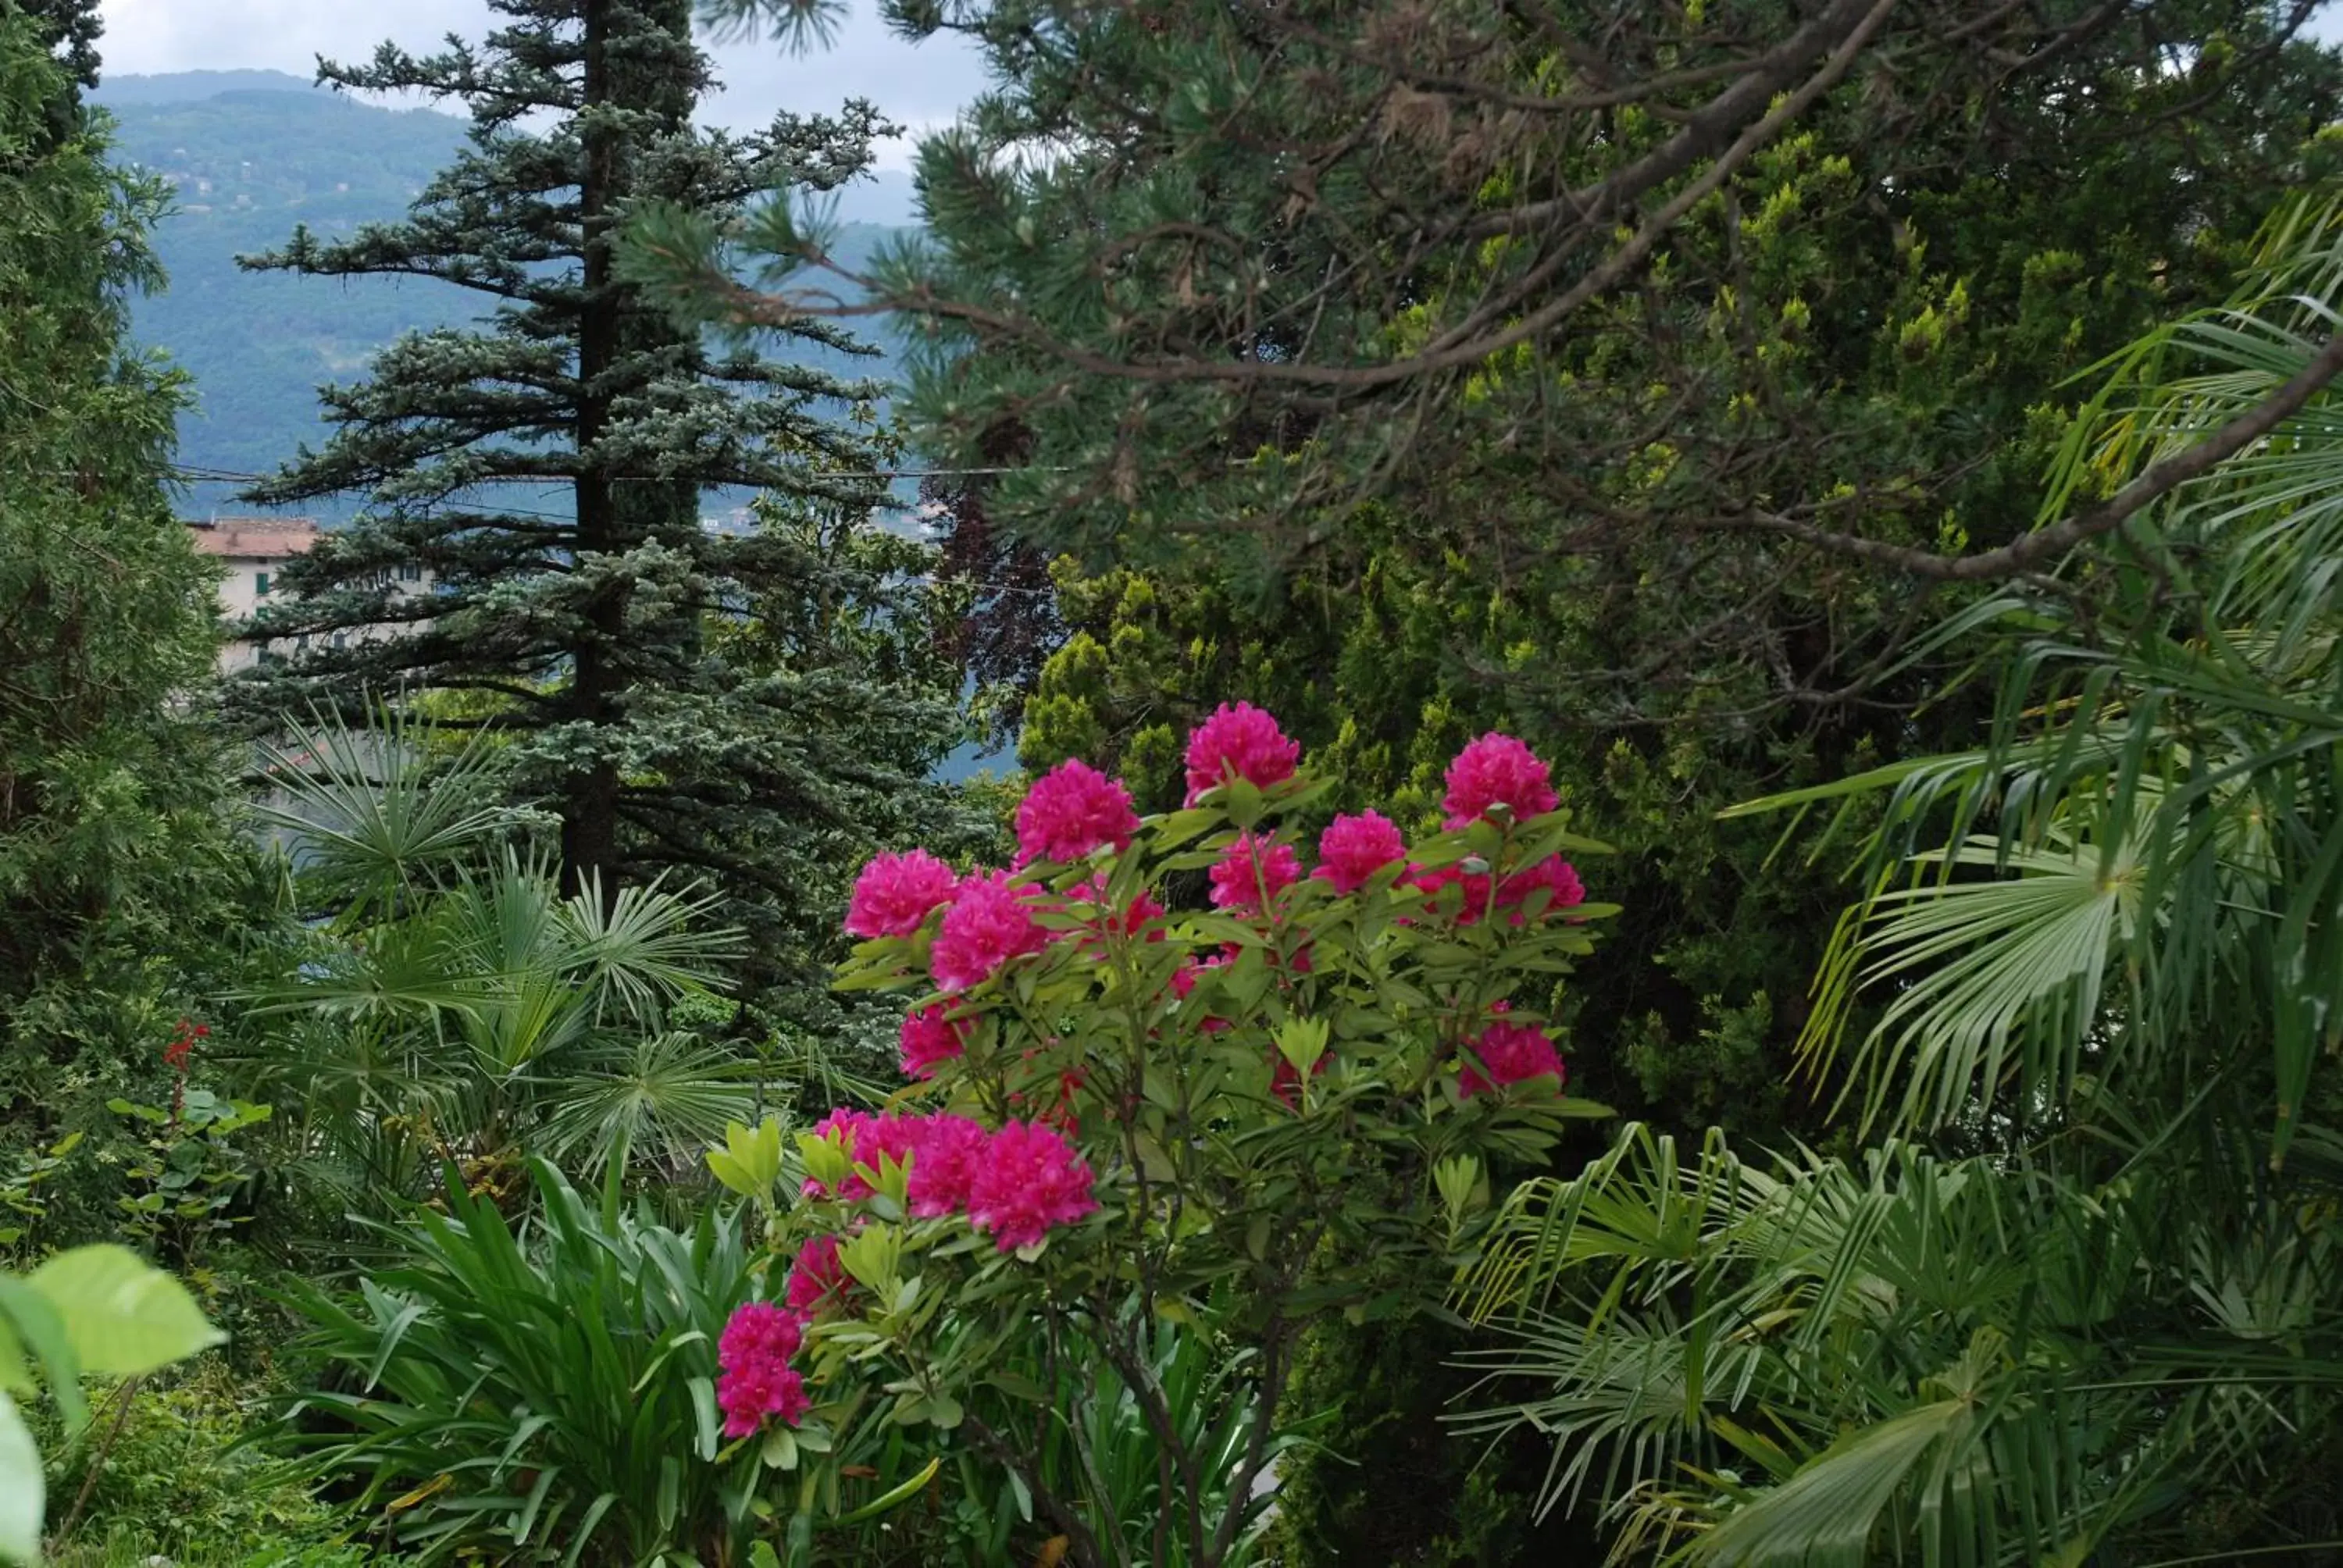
(947, 1154)
(817, 1277)
(1242, 739)
(1252, 864)
(755, 1379)
(760, 1328)
(990, 923)
(1027, 1180)
(1071, 810)
(1555, 876)
(889, 1137)
(895, 892)
(1354, 848)
(1497, 770)
(1512, 1053)
(929, 1039)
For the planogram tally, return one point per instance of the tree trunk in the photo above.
(590, 806)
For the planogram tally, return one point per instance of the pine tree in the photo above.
(545, 471)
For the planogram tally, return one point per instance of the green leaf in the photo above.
(28, 1322)
(123, 1316)
(780, 1451)
(21, 1494)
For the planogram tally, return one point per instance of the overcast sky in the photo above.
(918, 85)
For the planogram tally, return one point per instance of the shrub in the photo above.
(169, 1472)
(1236, 1120)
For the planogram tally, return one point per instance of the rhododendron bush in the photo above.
(1227, 1068)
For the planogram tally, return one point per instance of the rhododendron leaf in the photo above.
(1179, 828)
(710, 1425)
(1239, 800)
(1301, 1041)
(1190, 860)
(1300, 792)
(779, 1452)
(1442, 850)
(944, 1411)
(1221, 929)
(1017, 1385)
(871, 1257)
(1462, 1187)
(868, 979)
(1151, 1158)
(1541, 837)
(826, 1158)
(1032, 1250)
(729, 1171)
(1257, 1237)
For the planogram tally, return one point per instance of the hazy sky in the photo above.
(918, 85)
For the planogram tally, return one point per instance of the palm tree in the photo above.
(458, 1006)
(2083, 1303)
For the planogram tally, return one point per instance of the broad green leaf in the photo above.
(123, 1316)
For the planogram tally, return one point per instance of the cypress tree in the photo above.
(545, 470)
(127, 895)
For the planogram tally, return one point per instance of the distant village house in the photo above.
(255, 550)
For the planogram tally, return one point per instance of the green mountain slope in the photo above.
(251, 154)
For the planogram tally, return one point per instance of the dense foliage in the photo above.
(1828, 434)
(2097, 1318)
(120, 869)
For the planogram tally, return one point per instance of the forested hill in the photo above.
(251, 154)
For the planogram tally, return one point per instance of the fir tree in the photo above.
(544, 472)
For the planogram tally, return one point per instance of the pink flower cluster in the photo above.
(1511, 1053)
(929, 1039)
(894, 893)
(1071, 810)
(754, 1378)
(1249, 866)
(1014, 1185)
(1243, 741)
(1555, 877)
(1027, 1179)
(1493, 771)
(1074, 810)
(1354, 848)
(989, 924)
